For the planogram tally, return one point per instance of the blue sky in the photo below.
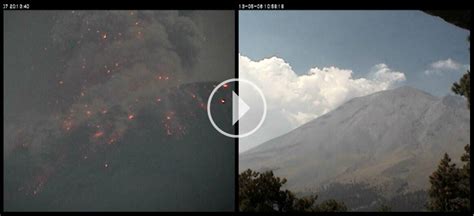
(406, 41)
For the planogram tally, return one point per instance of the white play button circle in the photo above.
(239, 107)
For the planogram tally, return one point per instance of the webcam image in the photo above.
(365, 111)
(107, 110)
(248, 107)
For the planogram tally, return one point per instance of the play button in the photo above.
(240, 107)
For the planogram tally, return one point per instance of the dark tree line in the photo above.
(262, 192)
(364, 197)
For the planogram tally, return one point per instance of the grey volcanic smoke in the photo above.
(116, 56)
(105, 111)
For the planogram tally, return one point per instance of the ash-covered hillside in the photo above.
(391, 140)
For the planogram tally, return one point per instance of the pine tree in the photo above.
(466, 158)
(464, 189)
(261, 192)
(463, 87)
(444, 189)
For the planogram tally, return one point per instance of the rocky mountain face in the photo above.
(390, 140)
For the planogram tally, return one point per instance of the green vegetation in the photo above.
(463, 88)
(450, 186)
(262, 192)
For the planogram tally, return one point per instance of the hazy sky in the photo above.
(309, 62)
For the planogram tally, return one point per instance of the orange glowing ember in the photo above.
(98, 134)
(67, 124)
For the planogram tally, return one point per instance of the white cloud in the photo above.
(293, 99)
(447, 65)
